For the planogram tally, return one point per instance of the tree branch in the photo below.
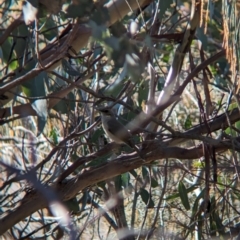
(34, 201)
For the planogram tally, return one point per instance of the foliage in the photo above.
(169, 70)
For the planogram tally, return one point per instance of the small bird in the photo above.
(115, 130)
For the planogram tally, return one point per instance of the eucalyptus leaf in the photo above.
(163, 6)
(188, 122)
(72, 205)
(183, 195)
(49, 23)
(154, 183)
(125, 179)
(41, 108)
(65, 105)
(177, 195)
(144, 172)
(146, 197)
(202, 37)
(78, 9)
(1, 54)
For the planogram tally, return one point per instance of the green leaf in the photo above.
(41, 108)
(183, 195)
(167, 49)
(147, 199)
(6, 49)
(154, 183)
(232, 132)
(213, 70)
(195, 205)
(200, 226)
(219, 224)
(35, 87)
(72, 205)
(49, 23)
(143, 92)
(101, 16)
(188, 122)
(237, 194)
(21, 43)
(118, 183)
(202, 37)
(160, 83)
(232, 106)
(177, 195)
(54, 135)
(125, 179)
(65, 105)
(1, 54)
(13, 65)
(99, 133)
(163, 6)
(79, 9)
(144, 172)
(197, 164)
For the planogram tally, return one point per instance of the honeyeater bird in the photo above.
(115, 130)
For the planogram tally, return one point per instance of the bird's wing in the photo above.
(118, 129)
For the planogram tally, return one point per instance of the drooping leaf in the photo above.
(144, 172)
(154, 183)
(202, 37)
(177, 195)
(163, 6)
(195, 206)
(183, 195)
(1, 55)
(41, 108)
(146, 197)
(54, 135)
(49, 23)
(143, 93)
(188, 122)
(65, 105)
(21, 42)
(125, 179)
(72, 205)
(78, 9)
